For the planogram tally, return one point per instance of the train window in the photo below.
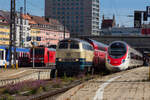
(74, 46)
(1, 55)
(6, 54)
(87, 47)
(17, 55)
(102, 48)
(132, 55)
(48, 56)
(63, 45)
(38, 51)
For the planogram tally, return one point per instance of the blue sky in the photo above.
(121, 8)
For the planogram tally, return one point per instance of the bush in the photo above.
(7, 97)
(56, 83)
(36, 90)
(26, 85)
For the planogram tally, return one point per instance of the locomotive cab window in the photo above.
(74, 46)
(63, 45)
(87, 47)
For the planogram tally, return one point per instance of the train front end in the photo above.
(117, 56)
(71, 57)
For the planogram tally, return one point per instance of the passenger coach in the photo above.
(22, 55)
(121, 56)
(100, 50)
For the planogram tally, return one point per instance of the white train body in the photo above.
(121, 56)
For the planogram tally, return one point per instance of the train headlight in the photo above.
(59, 59)
(76, 59)
(123, 60)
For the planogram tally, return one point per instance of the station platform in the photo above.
(132, 84)
(8, 76)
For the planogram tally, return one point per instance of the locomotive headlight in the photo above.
(59, 59)
(123, 60)
(76, 59)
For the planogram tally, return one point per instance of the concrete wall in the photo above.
(39, 75)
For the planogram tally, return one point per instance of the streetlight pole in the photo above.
(33, 55)
(12, 36)
(64, 25)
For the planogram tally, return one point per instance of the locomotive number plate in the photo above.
(68, 54)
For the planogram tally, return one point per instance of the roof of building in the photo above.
(108, 21)
(33, 20)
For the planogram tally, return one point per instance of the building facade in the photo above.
(32, 30)
(22, 32)
(45, 32)
(4, 34)
(4, 31)
(80, 17)
(108, 23)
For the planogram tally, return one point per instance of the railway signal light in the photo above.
(137, 19)
(145, 16)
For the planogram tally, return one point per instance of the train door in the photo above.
(48, 54)
(2, 57)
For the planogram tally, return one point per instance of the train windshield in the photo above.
(117, 50)
(74, 46)
(38, 51)
(63, 45)
(70, 45)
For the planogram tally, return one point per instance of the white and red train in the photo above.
(120, 56)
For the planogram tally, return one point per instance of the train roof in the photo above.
(125, 44)
(52, 49)
(96, 44)
(120, 42)
(2, 47)
(17, 49)
(74, 40)
(22, 49)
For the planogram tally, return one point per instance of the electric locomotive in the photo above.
(121, 56)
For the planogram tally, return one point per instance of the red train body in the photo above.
(100, 51)
(43, 56)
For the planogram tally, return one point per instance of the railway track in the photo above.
(51, 94)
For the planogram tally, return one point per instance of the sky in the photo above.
(120, 8)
